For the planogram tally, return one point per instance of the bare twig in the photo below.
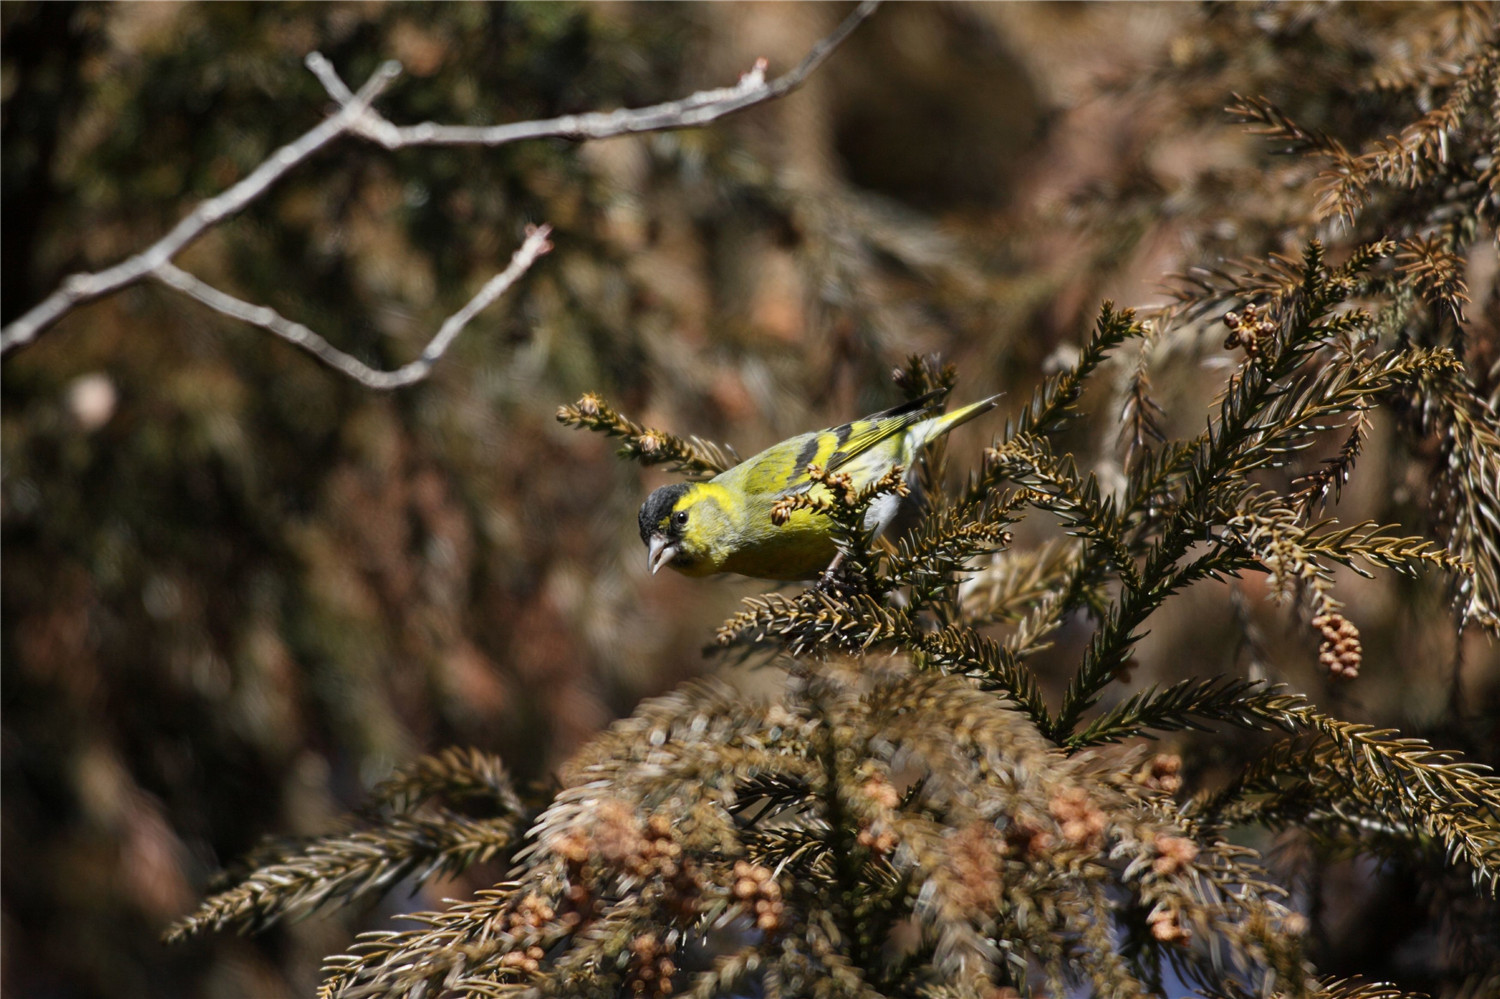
(357, 116)
(83, 287)
(268, 318)
(692, 111)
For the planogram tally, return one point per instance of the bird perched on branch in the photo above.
(726, 523)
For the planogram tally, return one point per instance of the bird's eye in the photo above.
(679, 519)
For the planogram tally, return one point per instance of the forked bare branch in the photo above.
(269, 319)
(693, 111)
(356, 115)
(84, 287)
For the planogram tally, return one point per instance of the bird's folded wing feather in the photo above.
(837, 446)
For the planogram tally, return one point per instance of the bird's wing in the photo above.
(859, 436)
(837, 446)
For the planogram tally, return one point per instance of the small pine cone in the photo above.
(881, 791)
(1235, 323)
(768, 915)
(975, 855)
(1248, 330)
(1082, 822)
(528, 960)
(684, 892)
(661, 851)
(572, 846)
(1174, 853)
(532, 912)
(1341, 651)
(759, 892)
(879, 843)
(1166, 927)
(1163, 773)
(1027, 837)
(617, 837)
(589, 405)
(840, 484)
(651, 966)
(650, 442)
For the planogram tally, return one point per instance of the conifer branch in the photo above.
(1051, 404)
(907, 816)
(1187, 704)
(691, 456)
(961, 650)
(1467, 482)
(1140, 415)
(1314, 487)
(1428, 789)
(351, 867)
(1017, 582)
(932, 559)
(1221, 455)
(1055, 485)
(457, 774)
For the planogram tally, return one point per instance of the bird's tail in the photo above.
(940, 425)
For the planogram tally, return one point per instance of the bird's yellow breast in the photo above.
(798, 549)
(730, 529)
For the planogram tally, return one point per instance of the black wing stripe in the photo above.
(914, 406)
(805, 456)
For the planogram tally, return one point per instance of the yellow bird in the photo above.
(724, 524)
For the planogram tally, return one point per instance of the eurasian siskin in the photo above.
(725, 525)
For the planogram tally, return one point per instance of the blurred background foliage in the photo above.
(239, 589)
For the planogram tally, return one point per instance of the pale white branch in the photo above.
(688, 112)
(318, 63)
(269, 319)
(357, 115)
(83, 287)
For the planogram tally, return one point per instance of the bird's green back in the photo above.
(729, 527)
(781, 469)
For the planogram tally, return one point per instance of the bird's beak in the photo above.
(659, 552)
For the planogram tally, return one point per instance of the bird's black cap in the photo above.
(658, 505)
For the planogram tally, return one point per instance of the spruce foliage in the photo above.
(917, 813)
